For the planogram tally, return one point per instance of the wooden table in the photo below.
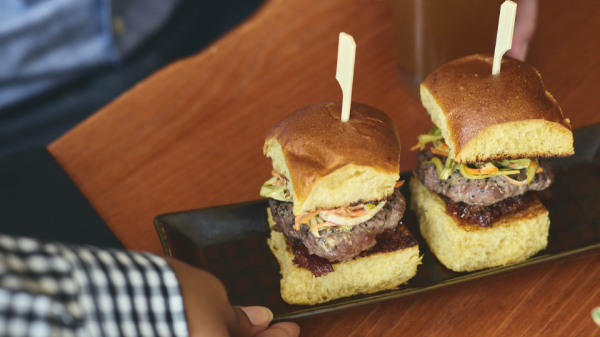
(191, 136)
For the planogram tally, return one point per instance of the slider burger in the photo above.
(474, 192)
(335, 204)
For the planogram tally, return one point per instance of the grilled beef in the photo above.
(483, 192)
(334, 243)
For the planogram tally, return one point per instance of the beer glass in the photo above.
(429, 33)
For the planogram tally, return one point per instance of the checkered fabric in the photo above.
(52, 289)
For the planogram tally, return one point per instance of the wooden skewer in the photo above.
(506, 26)
(345, 71)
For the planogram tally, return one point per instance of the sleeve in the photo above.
(52, 289)
(46, 43)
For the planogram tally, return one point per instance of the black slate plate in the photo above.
(230, 241)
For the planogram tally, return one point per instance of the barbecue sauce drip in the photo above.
(391, 240)
(485, 216)
(317, 265)
(388, 241)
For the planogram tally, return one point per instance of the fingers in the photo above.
(209, 313)
(524, 28)
(254, 322)
(285, 329)
(250, 321)
(258, 316)
(207, 309)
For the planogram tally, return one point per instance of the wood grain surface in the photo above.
(191, 136)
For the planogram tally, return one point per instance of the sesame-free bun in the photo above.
(465, 247)
(329, 163)
(361, 275)
(484, 117)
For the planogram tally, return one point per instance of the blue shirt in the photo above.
(45, 43)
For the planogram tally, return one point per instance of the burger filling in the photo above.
(276, 188)
(337, 234)
(387, 241)
(339, 243)
(445, 166)
(474, 191)
(485, 216)
(344, 216)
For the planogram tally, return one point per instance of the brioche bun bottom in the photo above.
(460, 247)
(362, 275)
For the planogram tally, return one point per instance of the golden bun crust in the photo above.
(362, 275)
(329, 163)
(463, 247)
(485, 117)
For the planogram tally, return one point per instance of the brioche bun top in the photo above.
(484, 117)
(330, 163)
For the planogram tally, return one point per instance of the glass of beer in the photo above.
(429, 33)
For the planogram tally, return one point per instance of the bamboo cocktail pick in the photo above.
(506, 26)
(345, 71)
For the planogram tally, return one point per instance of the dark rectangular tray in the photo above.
(230, 241)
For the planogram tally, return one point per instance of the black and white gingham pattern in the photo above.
(51, 289)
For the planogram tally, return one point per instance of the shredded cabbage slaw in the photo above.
(344, 217)
(503, 168)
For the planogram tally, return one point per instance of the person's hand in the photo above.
(524, 28)
(209, 313)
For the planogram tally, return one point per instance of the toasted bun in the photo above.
(470, 247)
(362, 275)
(329, 163)
(485, 117)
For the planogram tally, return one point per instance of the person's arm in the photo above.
(210, 314)
(47, 43)
(49, 289)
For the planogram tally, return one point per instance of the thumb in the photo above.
(252, 320)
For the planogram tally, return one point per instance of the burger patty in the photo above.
(483, 192)
(336, 244)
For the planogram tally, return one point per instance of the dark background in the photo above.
(37, 198)
(193, 25)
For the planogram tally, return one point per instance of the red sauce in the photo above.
(388, 241)
(485, 216)
(391, 240)
(317, 265)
